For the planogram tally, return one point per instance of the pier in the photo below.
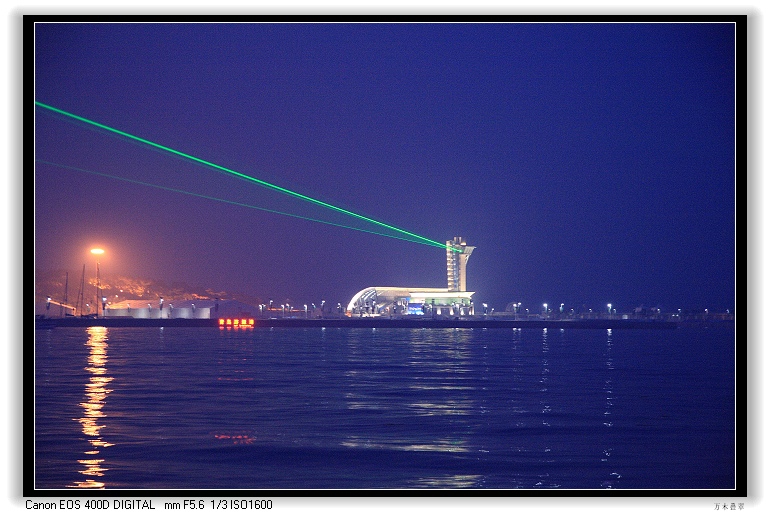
(365, 322)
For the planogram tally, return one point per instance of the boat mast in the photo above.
(66, 283)
(80, 292)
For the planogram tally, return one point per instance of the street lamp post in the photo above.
(97, 252)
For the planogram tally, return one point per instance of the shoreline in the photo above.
(352, 323)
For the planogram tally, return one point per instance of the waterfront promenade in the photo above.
(479, 322)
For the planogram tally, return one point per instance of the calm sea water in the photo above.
(199, 408)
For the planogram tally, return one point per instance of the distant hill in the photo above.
(119, 288)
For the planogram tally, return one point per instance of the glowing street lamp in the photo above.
(97, 252)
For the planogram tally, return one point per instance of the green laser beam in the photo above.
(263, 183)
(227, 201)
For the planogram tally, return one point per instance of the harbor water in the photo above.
(346, 408)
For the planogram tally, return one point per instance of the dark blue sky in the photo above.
(588, 162)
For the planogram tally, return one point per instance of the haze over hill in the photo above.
(61, 285)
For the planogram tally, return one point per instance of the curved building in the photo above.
(453, 300)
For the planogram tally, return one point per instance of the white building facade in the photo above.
(452, 301)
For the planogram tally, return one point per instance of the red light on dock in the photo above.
(236, 322)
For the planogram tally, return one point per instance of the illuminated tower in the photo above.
(457, 254)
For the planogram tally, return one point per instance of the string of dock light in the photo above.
(413, 237)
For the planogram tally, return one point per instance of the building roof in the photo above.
(226, 306)
(391, 293)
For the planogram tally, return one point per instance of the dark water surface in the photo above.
(201, 408)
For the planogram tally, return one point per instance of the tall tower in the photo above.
(457, 254)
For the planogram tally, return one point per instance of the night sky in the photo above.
(589, 163)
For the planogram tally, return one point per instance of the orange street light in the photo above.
(98, 252)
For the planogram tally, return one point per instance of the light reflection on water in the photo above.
(420, 374)
(435, 445)
(96, 392)
(612, 478)
(450, 482)
(357, 408)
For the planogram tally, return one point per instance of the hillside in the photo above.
(119, 288)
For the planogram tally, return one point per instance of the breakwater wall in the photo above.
(352, 323)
